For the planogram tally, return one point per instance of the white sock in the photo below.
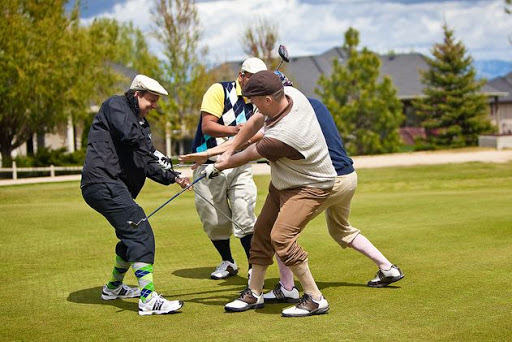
(365, 247)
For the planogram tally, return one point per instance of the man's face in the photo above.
(243, 78)
(147, 102)
(262, 102)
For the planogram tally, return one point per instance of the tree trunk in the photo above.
(40, 141)
(30, 147)
(6, 156)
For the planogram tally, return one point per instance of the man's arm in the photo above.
(248, 130)
(201, 157)
(239, 159)
(210, 126)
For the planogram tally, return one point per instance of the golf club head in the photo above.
(283, 53)
(133, 224)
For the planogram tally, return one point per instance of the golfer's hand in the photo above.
(183, 182)
(198, 159)
(163, 160)
(222, 162)
(236, 129)
(211, 171)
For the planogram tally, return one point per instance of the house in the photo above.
(403, 68)
(501, 108)
(501, 114)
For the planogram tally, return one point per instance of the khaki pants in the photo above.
(337, 209)
(234, 193)
(284, 215)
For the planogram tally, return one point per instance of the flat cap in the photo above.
(142, 82)
(262, 83)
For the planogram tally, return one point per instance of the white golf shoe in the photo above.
(121, 292)
(246, 301)
(281, 295)
(224, 270)
(385, 277)
(158, 305)
(307, 307)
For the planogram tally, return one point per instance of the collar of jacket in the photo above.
(133, 103)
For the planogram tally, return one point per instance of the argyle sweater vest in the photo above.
(236, 112)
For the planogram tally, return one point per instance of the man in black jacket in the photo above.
(120, 155)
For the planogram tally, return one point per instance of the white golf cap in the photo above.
(253, 65)
(142, 82)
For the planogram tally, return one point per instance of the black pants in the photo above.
(113, 201)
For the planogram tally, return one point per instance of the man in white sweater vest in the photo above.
(302, 177)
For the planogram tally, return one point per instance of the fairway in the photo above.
(448, 227)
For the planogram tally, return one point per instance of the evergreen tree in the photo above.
(367, 111)
(454, 112)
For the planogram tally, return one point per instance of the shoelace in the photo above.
(304, 299)
(245, 292)
(223, 266)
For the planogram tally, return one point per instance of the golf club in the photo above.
(220, 211)
(135, 225)
(283, 53)
(249, 163)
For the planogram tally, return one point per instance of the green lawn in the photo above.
(448, 227)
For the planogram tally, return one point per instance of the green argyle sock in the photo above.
(120, 268)
(144, 274)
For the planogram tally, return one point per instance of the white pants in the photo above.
(234, 193)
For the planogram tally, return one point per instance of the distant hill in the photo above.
(492, 68)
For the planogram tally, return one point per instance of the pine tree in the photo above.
(367, 113)
(454, 112)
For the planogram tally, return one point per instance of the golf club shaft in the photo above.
(220, 211)
(252, 162)
(173, 197)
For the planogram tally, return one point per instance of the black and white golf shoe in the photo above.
(246, 301)
(281, 295)
(307, 306)
(385, 277)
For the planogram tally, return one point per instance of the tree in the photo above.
(259, 40)
(51, 67)
(184, 77)
(33, 64)
(454, 112)
(508, 6)
(367, 112)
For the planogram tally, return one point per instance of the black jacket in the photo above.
(119, 148)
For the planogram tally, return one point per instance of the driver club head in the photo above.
(283, 53)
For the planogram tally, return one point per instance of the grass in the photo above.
(448, 227)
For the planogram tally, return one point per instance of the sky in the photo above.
(311, 27)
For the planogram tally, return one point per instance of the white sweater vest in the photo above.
(300, 130)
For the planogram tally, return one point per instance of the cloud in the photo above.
(309, 27)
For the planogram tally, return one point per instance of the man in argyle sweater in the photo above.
(223, 111)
